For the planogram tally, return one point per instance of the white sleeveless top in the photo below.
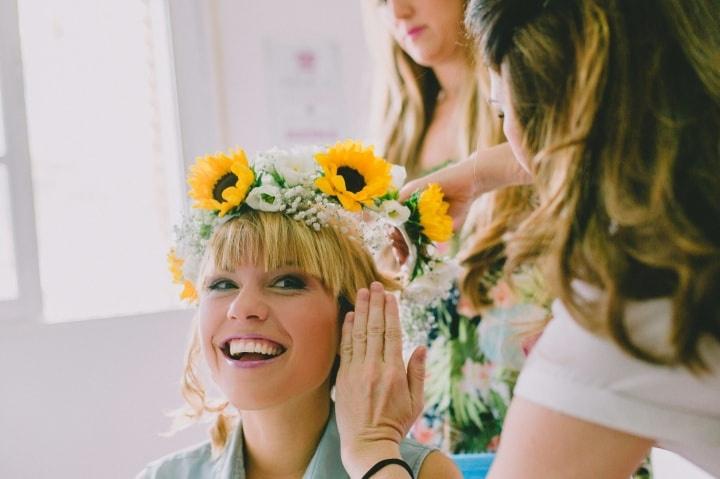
(577, 373)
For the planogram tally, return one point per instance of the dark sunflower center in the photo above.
(354, 181)
(228, 180)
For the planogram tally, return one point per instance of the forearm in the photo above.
(494, 168)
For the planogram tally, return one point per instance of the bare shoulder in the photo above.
(437, 465)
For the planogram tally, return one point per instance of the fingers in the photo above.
(393, 331)
(346, 340)
(399, 246)
(359, 331)
(376, 323)
(416, 379)
(410, 188)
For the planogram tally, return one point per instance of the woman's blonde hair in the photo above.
(620, 106)
(405, 99)
(272, 241)
(405, 96)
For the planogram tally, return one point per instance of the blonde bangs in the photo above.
(274, 241)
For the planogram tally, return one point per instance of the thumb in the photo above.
(411, 187)
(416, 378)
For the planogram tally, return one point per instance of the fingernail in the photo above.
(376, 286)
(423, 354)
(363, 294)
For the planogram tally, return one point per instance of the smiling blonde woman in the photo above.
(276, 259)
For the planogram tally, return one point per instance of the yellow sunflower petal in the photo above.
(175, 266)
(349, 203)
(324, 185)
(353, 174)
(189, 293)
(213, 175)
(436, 223)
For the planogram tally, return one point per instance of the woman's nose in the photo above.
(248, 304)
(400, 9)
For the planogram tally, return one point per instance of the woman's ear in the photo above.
(344, 307)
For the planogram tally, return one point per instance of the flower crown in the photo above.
(346, 186)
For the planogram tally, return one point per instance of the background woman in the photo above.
(431, 109)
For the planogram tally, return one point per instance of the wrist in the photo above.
(360, 458)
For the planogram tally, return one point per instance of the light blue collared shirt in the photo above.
(197, 463)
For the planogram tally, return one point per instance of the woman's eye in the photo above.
(289, 282)
(222, 285)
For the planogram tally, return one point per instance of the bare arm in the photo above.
(539, 442)
(437, 464)
(485, 170)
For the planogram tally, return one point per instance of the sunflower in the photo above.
(353, 174)
(220, 182)
(189, 293)
(436, 223)
(175, 264)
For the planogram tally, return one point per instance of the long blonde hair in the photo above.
(620, 104)
(405, 96)
(271, 241)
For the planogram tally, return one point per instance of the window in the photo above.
(8, 274)
(91, 164)
(104, 153)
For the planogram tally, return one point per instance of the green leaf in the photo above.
(278, 178)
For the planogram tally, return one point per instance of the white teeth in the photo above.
(239, 346)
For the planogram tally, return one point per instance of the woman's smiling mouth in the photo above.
(251, 352)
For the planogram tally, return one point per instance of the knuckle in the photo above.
(375, 331)
(393, 333)
(359, 335)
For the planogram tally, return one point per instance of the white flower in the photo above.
(398, 174)
(395, 212)
(434, 285)
(265, 198)
(296, 166)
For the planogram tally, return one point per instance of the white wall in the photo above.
(86, 399)
(245, 27)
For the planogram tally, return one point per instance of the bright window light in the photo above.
(8, 274)
(3, 147)
(104, 150)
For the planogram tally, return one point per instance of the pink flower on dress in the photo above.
(423, 433)
(493, 445)
(465, 307)
(476, 376)
(502, 295)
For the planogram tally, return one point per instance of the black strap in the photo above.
(387, 462)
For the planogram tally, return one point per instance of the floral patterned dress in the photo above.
(473, 363)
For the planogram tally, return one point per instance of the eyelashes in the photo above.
(291, 282)
(221, 285)
(287, 282)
